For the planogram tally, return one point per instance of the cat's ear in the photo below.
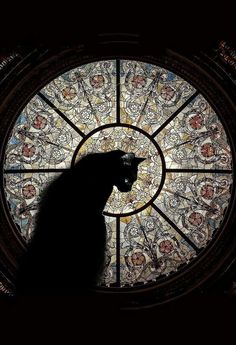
(138, 160)
(129, 158)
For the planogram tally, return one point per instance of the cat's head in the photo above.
(127, 171)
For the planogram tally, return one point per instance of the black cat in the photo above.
(67, 251)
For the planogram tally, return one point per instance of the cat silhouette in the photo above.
(67, 251)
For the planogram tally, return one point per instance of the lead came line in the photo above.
(175, 114)
(118, 91)
(181, 233)
(212, 171)
(24, 171)
(51, 105)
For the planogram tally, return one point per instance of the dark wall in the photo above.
(189, 33)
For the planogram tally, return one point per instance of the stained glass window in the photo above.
(177, 204)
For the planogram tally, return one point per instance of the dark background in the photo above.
(187, 28)
(186, 25)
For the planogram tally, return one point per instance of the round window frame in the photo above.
(42, 69)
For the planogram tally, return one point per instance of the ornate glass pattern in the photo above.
(195, 138)
(183, 189)
(41, 139)
(195, 202)
(150, 172)
(150, 247)
(150, 94)
(23, 194)
(85, 95)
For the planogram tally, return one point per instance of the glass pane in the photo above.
(195, 139)
(23, 191)
(196, 203)
(150, 171)
(110, 268)
(40, 139)
(86, 94)
(150, 94)
(150, 247)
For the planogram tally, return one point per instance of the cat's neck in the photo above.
(97, 196)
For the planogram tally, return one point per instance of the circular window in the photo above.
(180, 201)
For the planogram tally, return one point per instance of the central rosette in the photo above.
(149, 172)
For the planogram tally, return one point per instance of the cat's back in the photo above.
(70, 234)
